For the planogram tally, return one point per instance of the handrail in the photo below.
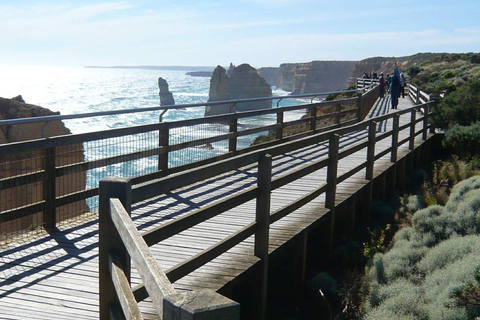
(161, 108)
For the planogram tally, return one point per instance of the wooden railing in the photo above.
(50, 172)
(119, 242)
(265, 185)
(417, 95)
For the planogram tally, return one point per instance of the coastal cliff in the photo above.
(310, 77)
(243, 83)
(32, 161)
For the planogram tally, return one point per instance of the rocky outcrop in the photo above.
(166, 97)
(32, 161)
(270, 74)
(315, 76)
(243, 83)
(322, 76)
(286, 74)
(200, 74)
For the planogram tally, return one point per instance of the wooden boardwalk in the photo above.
(55, 275)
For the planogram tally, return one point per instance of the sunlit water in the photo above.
(84, 90)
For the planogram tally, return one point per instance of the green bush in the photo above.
(448, 252)
(459, 107)
(465, 140)
(459, 191)
(431, 262)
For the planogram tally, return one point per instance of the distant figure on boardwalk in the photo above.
(403, 83)
(387, 83)
(381, 85)
(395, 87)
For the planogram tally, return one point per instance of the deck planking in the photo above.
(57, 272)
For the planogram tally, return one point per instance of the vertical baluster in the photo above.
(49, 189)
(232, 142)
(163, 155)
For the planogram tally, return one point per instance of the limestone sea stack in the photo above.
(166, 97)
(244, 83)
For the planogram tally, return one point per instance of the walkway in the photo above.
(54, 276)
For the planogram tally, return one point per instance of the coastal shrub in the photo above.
(466, 219)
(459, 191)
(467, 295)
(431, 263)
(448, 252)
(459, 107)
(464, 140)
(426, 220)
(415, 203)
(403, 234)
(405, 302)
(401, 259)
(439, 285)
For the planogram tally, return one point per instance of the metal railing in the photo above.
(49, 180)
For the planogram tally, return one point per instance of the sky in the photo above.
(208, 33)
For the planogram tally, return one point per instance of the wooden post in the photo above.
(313, 122)
(109, 240)
(262, 218)
(232, 142)
(359, 106)
(401, 168)
(163, 156)
(366, 208)
(300, 264)
(413, 118)
(396, 125)
(333, 146)
(49, 189)
(425, 122)
(372, 130)
(199, 305)
(279, 131)
(417, 96)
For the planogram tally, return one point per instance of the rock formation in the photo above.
(32, 161)
(286, 74)
(243, 83)
(166, 97)
(200, 74)
(322, 76)
(270, 74)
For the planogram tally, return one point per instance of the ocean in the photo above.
(70, 90)
(74, 90)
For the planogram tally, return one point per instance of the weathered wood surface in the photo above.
(55, 276)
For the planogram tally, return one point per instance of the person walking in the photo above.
(381, 85)
(403, 83)
(395, 87)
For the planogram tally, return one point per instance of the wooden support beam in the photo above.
(109, 240)
(262, 218)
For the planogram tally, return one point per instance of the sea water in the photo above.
(71, 90)
(74, 90)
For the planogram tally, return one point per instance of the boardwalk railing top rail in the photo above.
(163, 109)
(262, 190)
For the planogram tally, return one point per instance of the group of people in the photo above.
(394, 84)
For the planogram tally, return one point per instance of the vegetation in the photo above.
(414, 279)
